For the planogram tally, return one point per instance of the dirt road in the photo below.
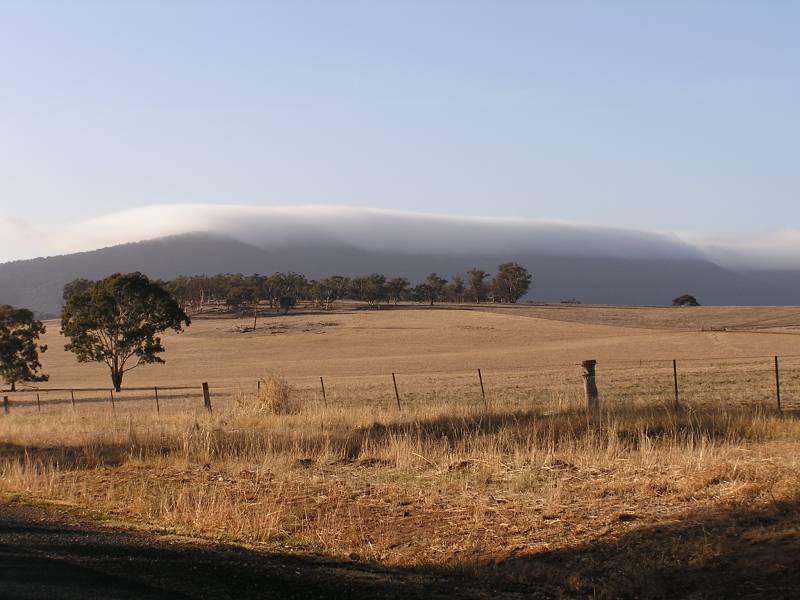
(47, 554)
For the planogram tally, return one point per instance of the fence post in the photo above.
(589, 385)
(38, 403)
(675, 381)
(396, 393)
(113, 407)
(324, 396)
(158, 408)
(72, 398)
(778, 384)
(5, 405)
(483, 391)
(258, 386)
(206, 397)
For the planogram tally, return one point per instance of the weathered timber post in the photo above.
(483, 391)
(38, 403)
(589, 385)
(675, 382)
(206, 397)
(396, 393)
(113, 407)
(324, 396)
(72, 398)
(5, 405)
(778, 384)
(258, 387)
(158, 408)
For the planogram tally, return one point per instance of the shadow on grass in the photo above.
(53, 556)
(68, 458)
(746, 552)
(629, 426)
(736, 553)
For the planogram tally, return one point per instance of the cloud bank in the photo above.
(385, 230)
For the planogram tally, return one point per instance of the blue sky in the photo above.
(666, 116)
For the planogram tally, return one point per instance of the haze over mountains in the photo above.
(592, 264)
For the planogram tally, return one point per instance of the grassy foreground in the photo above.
(633, 501)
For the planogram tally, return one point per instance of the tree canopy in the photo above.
(19, 346)
(477, 290)
(75, 287)
(512, 282)
(117, 320)
(249, 294)
(685, 300)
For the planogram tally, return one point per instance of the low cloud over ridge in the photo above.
(387, 230)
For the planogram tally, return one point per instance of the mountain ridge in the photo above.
(37, 283)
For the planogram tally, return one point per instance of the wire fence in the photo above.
(766, 381)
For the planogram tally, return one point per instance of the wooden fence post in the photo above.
(675, 381)
(113, 407)
(324, 396)
(396, 393)
(258, 386)
(72, 398)
(38, 403)
(483, 391)
(590, 385)
(206, 397)
(778, 384)
(5, 405)
(158, 408)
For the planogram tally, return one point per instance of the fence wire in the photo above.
(723, 381)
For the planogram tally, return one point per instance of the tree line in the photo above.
(118, 321)
(282, 291)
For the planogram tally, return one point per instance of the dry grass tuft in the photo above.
(274, 397)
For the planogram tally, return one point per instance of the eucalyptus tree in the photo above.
(477, 290)
(19, 346)
(397, 289)
(432, 289)
(511, 283)
(117, 321)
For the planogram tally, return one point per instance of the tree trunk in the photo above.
(116, 379)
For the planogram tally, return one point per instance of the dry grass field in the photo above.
(523, 491)
(523, 351)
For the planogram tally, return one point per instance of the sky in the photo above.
(664, 116)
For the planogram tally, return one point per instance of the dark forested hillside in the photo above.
(37, 283)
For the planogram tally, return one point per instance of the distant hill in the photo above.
(37, 283)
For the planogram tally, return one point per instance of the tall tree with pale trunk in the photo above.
(511, 283)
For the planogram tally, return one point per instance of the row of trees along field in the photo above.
(282, 291)
(118, 320)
